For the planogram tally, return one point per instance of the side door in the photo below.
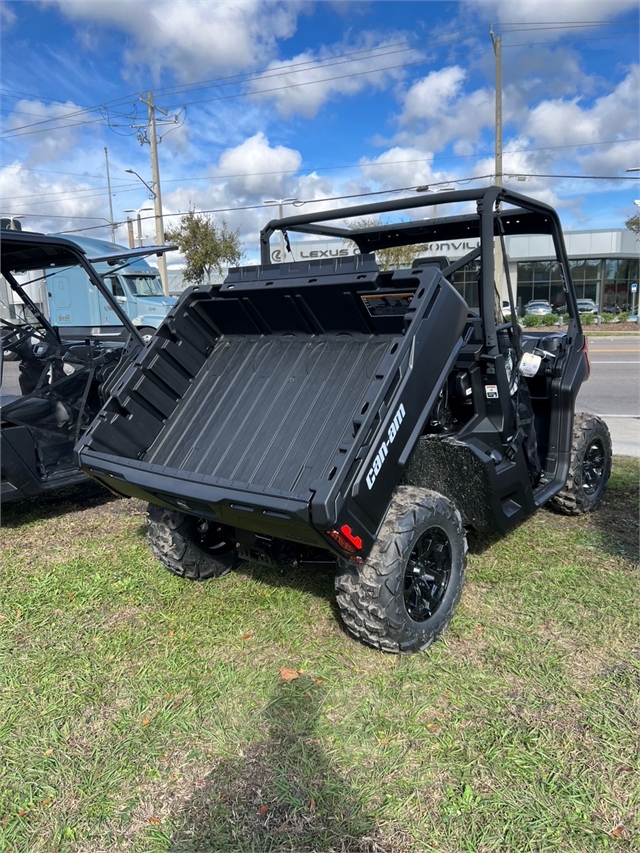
(108, 317)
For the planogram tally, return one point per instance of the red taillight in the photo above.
(585, 350)
(346, 539)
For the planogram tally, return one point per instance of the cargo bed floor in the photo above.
(270, 413)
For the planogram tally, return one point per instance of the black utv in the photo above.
(56, 384)
(334, 410)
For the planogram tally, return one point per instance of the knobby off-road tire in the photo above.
(404, 595)
(189, 547)
(589, 469)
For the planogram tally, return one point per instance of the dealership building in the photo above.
(604, 265)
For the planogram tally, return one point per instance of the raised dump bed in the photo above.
(268, 403)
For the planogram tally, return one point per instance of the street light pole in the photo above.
(425, 188)
(139, 218)
(157, 204)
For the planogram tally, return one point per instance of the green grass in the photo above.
(139, 712)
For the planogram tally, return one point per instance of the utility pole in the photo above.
(111, 222)
(132, 242)
(155, 178)
(497, 49)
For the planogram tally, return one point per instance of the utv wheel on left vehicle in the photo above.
(190, 547)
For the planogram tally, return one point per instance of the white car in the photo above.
(539, 307)
(587, 306)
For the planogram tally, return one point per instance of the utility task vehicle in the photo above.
(332, 410)
(71, 302)
(60, 383)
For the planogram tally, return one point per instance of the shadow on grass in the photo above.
(281, 793)
(317, 581)
(55, 504)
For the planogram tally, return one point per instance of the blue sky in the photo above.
(313, 100)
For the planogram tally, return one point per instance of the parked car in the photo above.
(587, 306)
(539, 307)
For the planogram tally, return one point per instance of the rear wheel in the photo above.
(589, 469)
(190, 547)
(403, 596)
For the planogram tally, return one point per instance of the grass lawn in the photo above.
(139, 712)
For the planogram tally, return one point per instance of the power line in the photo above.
(458, 181)
(82, 192)
(284, 71)
(239, 78)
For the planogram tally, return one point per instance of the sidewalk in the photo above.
(625, 435)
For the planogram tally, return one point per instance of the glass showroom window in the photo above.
(586, 275)
(465, 282)
(619, 275)
(540, 280)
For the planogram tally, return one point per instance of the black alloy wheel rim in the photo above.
(427, 574)
(593, 466)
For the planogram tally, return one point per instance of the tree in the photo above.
(205, 245)
(633, 223)
(395, 257)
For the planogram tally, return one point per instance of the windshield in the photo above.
(144, 285)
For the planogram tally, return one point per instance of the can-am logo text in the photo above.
(382, 453)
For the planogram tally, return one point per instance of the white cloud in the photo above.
(436, 112)
(552, 11)
(402, 167)
(52, 204)
(61, 136)
(255, 168)
(191, 38)
(7, 16)
(307, 81)
(427, 98)
(563, 122)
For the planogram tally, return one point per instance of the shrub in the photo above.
(532, 320)
(624, 315)
(608, 318)
(587, 319)
(549, 320)
(565, 318)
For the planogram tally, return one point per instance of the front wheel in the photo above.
(589, 469)
(190, 547)
(403, 596)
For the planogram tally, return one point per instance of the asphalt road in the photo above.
(613, 389)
